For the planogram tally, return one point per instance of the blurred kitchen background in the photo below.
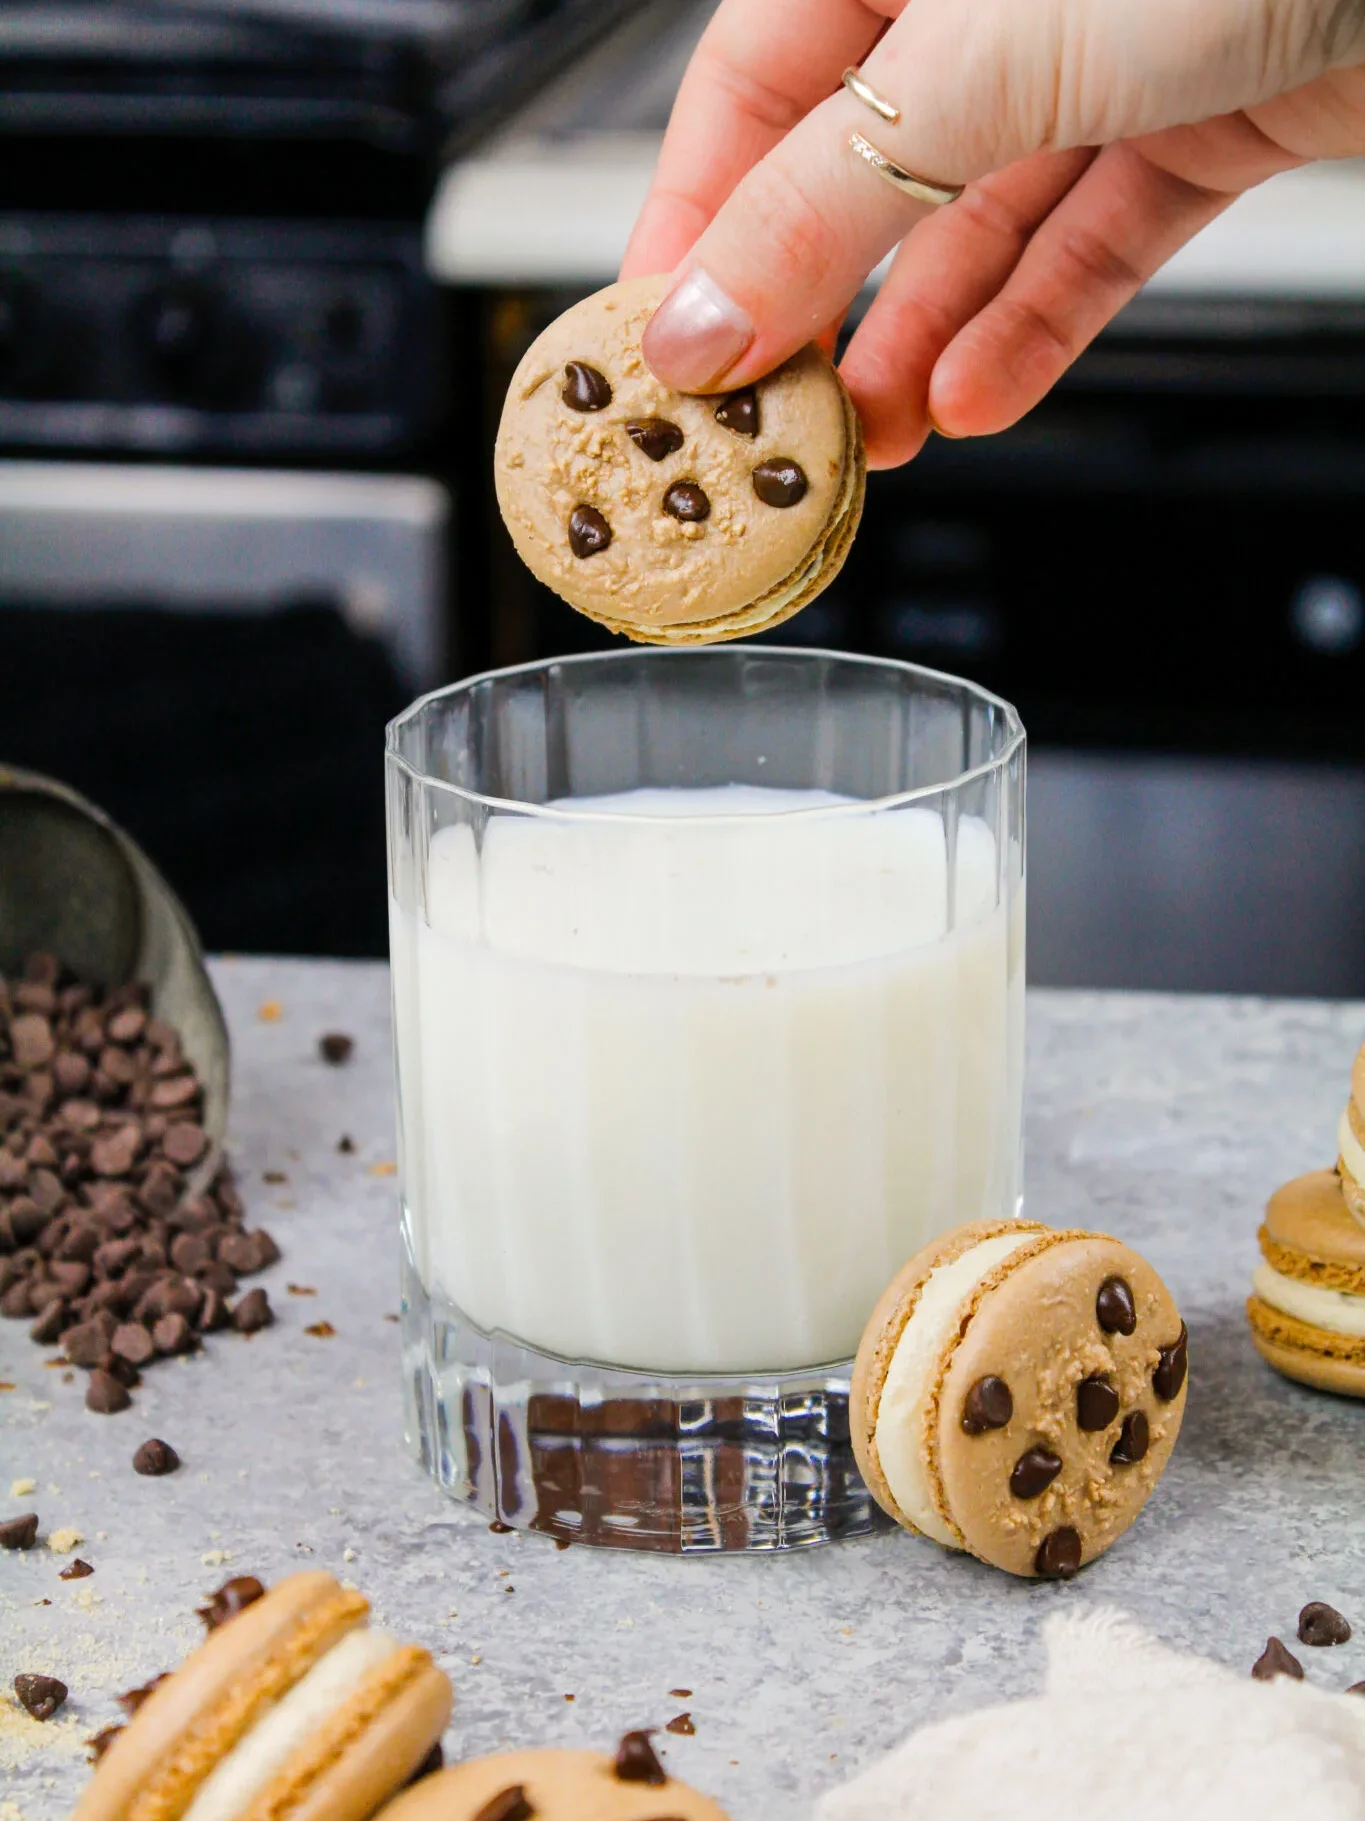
(265, 267)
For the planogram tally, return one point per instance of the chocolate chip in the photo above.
(686, 502)
(346, 1145)
(172, 1334)
(1059, 1555)
(50, 1325)
(682, 1725)
(232, 1597)
(116, 1155)
(739, 412)
(132, 1342)
(988, 1405)
(190, 1252)
(1034, 1472)
(589, 532)
(780, 482)
(636, 1762)
(88, 1344)
(1097, 1403)
(135, 1697)
(336, 1047)
(1320, 1623)
(76, 1570)
(178, 1091)
(185, 1144)
(509, 1804)
(1356, 1688)
(584, 388)
(1115, 1309)
(1172, 1366)
(40, 1696)
(31, 1041)
(101, 1742)
(155, 1458)
(127, 1026)
(1134, 1438)
(655, 436)
(1274, 1661)
(105, 1395)
(252, 1313)
(20, 1532)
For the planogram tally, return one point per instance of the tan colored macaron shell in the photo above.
(1032, 1322)
(746, 565)
(1309, 1235)
(1353, 1192)
(194, 1718)
(554, 1786)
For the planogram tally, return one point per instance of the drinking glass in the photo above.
(708, 973)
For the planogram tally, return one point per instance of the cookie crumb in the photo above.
(62, 1542)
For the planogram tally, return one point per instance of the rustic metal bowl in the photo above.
(74, 885)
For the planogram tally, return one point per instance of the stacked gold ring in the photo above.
(921, 188)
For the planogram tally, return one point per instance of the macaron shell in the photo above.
(559, 1786)
(195, 1717)
(1358, 1081)
(1038, 1330)
(377, 1741)
(656, 573)
(885, 1326)
(1309, 1233)
(1291, 1347)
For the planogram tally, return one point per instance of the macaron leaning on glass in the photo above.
(293, 1709)
(1017, 1394)
(671, 518)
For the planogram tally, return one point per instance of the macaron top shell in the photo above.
(669, 559)
(1358, 1081)
(1309, 1232)
(1039, 1331)
(547, 1786)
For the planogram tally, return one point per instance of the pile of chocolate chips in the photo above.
(99, 1130)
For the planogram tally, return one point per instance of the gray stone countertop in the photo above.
(1165, 1120)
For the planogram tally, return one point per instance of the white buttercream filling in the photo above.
(1352, 1155)
(234, 1783)
(1338, 1310)
(900, 1431)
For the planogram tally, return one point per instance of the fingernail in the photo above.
(696, 335)
(938, 429)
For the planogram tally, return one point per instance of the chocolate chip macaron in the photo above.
(1307, 1310)
(1351, 1142)
(1017, 1393)
(632, 1785)
(674, 519)
(293, 1709)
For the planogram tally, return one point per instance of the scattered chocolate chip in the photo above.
(346, 1145)
(1115, 1309)
(1356, 1688)
(154, 1458)
(739, 412)
(101, 1742)
(1274, 1661)
(253, 1312)
(135, 1697)
(655, 436)
(636, 1762)
(1034, 1472)
(1172, 1366)
(988, 1405)
(589, 532)
(780, 482)
(1320, 1623)
(1097, 1404)
(584, 388)
(499, 1528)
(509, 1804)
(40, 1696)
(681, 1724)
(19, 1532)
(232, 1597)
(75, 1570)
(336, 1047)
(681, 1694)
(1134, 1438)
(686, 502)
(105, 1395)
(1059, 1555)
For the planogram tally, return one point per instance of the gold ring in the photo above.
(935, 194)
(869, 97)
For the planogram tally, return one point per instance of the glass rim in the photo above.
(555, 812)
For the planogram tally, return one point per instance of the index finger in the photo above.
(761, 66)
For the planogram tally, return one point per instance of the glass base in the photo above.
(628, 1460)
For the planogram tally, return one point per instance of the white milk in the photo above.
(684, 1094)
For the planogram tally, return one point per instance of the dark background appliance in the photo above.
(210, 253)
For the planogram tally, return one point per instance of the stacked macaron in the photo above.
(1307, 1309)
(294, 1709)
(671, 518)
(1017, 1393)
(1351, 1141)
(632, 1785)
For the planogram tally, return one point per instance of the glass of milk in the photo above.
(708, 984)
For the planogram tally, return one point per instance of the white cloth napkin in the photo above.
(1126, 1729)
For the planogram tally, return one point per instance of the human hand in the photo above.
(1095, 138)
